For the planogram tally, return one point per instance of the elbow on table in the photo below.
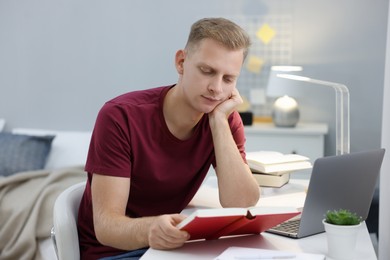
(241, 201)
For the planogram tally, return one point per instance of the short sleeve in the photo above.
(110, 148)
(238, 132)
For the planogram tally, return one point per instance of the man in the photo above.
(151, 149)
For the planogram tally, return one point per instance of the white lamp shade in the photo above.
(277, 86)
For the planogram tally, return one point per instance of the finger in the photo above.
(166, 235)
(177, 218)
(236, 96)
(173, 233)
(167, 242)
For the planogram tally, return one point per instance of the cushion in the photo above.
(69, 148)
(23, 152)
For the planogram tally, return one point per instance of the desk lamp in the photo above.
(342, 109)
(285, 110)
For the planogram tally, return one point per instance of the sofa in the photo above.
(36, 165)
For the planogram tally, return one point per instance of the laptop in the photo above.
(344, 181)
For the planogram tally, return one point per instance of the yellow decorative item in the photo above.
(254, 64)
(265, 33)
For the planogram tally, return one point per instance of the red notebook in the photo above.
(215, 223)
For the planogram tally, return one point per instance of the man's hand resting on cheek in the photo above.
(228, 106)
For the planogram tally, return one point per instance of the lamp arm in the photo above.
(342, 115)
(342, 110)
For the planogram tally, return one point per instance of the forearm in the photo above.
(126, 233)
(113, 228)
(237, 186)
(122, 232)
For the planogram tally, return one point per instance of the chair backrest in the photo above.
(65, 215)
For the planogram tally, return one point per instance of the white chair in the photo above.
(64, 232)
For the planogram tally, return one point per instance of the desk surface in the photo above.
(292, 194)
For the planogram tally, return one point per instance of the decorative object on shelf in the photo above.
(342, 109)
(245, 112)
(341, 227)
(285, 112)
(246, 117)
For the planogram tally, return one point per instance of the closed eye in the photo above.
(229, 79)
(210, 71)
(206, 70)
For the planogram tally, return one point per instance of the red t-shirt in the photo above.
(132, 140)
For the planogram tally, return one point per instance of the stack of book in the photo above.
(273, 169)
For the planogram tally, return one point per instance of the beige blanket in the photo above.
(26, 209)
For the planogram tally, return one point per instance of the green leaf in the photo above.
(342, 217)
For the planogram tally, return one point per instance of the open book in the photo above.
(272, 162)
(215, 223)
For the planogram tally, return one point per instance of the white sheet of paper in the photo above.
(236, 253)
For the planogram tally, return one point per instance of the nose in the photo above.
(215, 85)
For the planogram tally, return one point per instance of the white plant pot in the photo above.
(341, 240)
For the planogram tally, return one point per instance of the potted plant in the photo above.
(341, 227)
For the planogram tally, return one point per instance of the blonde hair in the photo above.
(221, 30)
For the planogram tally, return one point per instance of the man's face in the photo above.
(210, 74)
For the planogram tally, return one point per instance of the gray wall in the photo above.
(61, 60)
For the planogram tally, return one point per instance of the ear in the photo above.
(179, 61)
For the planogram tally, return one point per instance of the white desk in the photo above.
(292, 194)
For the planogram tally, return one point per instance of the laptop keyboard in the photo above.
(289, 227)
